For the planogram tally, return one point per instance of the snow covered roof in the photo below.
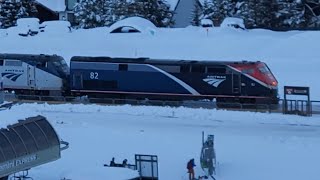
(206, 22)
(138, 23)
(54, 5)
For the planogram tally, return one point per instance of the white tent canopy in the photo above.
(139, 24)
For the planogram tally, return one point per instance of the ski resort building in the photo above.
(56, 10)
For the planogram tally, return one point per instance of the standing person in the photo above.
(112, 163)
(125, 163)
(1, 91)
(190, 166)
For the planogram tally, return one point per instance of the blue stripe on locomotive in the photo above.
(138, 78)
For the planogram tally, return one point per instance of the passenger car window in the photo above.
(1, 62)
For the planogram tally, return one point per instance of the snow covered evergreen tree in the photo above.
(271, 14)
(265, 14)
(211, 10)
(312, 13)
(256, 13)
(7, 12)
(290, 14)
(97, 13)
(94, 13)
(217, 10)
(158, 12)
(27, 8)
(243, 11)
(11, 10)
(196, 15)
(228, 8)
(123, 9)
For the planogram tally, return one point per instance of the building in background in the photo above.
(56, 10)
(184, 12)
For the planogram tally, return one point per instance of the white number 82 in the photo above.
(94, 75)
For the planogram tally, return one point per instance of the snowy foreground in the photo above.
(293, 56)
(250, 146)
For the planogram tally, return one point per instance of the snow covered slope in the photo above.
(249, 146)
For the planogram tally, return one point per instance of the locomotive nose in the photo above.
(259, 71)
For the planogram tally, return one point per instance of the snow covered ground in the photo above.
(292, 56)
(249, 146)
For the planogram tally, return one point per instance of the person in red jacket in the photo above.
(190, 166)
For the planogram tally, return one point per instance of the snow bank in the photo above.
(56, 27)
(203, 115)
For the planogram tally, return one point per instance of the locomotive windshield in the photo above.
(259, 71)
(264, 69)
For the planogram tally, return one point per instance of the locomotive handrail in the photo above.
(65, 145)
(270, 108)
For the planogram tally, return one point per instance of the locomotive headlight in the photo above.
(274, 83)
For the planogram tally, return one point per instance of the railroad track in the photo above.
(190, 104)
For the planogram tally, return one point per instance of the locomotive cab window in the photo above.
(13, 63)
(198, 69)
(263, 70)
(248, 71)
(169, 68)
(41, 64)
(219, 70)
(185, 69)
(123, 67)
(1, 62)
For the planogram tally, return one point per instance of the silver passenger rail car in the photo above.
(34, 74)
